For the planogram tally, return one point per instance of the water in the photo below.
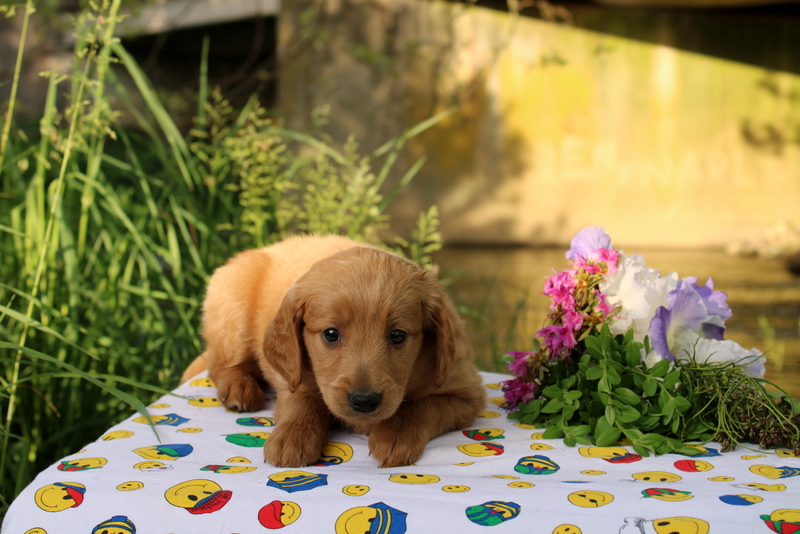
(496, 289)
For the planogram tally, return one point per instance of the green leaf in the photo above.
(573, 395)
(650, 386)
(632, 354)
(608, 437)
(628, 414)
(671, 379)
(554, 406)
(553, 432)
(611, 414)
(660, 369)
(594, 373)
(552, 392)
(627, 396)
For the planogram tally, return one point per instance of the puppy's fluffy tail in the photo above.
(196, 367)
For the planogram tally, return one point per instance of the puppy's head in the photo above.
(370, 326)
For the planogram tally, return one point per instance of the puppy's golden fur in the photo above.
(346, 334)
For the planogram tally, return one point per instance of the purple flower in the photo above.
(573, 319)
(559, 339)
(692, 311)
(520, 364)
(516, 391)
(587, 241)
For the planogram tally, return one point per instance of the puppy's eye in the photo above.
(397, 336)
(331, 335)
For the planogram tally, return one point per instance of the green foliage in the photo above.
(108, 236)
(608, 395)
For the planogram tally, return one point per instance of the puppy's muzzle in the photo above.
(365, 401)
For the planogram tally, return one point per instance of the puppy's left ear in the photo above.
(441, 317)
(283, 342)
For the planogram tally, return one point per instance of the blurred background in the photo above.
(673, 124)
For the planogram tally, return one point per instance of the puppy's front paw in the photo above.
(293, 445)
(241, 395)
(394, 445)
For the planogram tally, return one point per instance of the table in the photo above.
(202, 472)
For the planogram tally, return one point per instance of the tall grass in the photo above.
(108, 236)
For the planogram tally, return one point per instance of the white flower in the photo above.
(640, 291)
(724, 351)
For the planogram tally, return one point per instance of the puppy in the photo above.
(347, 334)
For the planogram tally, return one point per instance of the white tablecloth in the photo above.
(204, 474)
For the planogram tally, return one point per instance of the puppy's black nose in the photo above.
(365, 402)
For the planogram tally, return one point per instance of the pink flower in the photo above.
(603, 306)
(559, 339)
(517, 392)
(610, 257)
(573, 319)
(559, 288)
(520, 364)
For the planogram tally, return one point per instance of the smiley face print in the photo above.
(590, 499)
(482, 448)
(536, 465)
(82, 464)
(784, 521)
(164, 452)
(292, 481)
(493, 513)
(279, 514)
(59, 496)
(119, 524)
(355, 490)
(414, 479)
(377, 518)
(198, 496)
(656, 476)
(335, 453)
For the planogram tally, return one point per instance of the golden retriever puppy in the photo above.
(347, 334)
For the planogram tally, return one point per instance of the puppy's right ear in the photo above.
(283, 342)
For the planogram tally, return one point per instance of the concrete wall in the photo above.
(557, 127)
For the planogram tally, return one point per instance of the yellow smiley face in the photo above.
(753, 456)
(356, 520)
(455, 488)
(593, 472)
(785, 515)
(82, 464)
(590, 499)
(498, 401)
(493, 386)
(680, 525)
(205, 402)
(507, 477)
(464, 464)
(521, 484)
(766, 487)
(721, 479)
(693, 466)
(667, 494)
(567, 529)
(786, 453)
(537, 435)
(159, 406)
(481, 448)
(602, 452)
(334, 453)
(36, 530)
(232, 469)
(191, 430)
(488, 414)
(541, 447)
(117, 434)
(59, 496)
(355, 490)
(202, 383)
(188, 494)
(657, 476)
(279, 514)
(238, 460)
(773, 472)
(133, 485)
(414, 479)
(150, 464)
(525, 426)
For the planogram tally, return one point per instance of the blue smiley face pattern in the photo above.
(200, 468)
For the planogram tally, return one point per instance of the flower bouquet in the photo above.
(629, 353)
